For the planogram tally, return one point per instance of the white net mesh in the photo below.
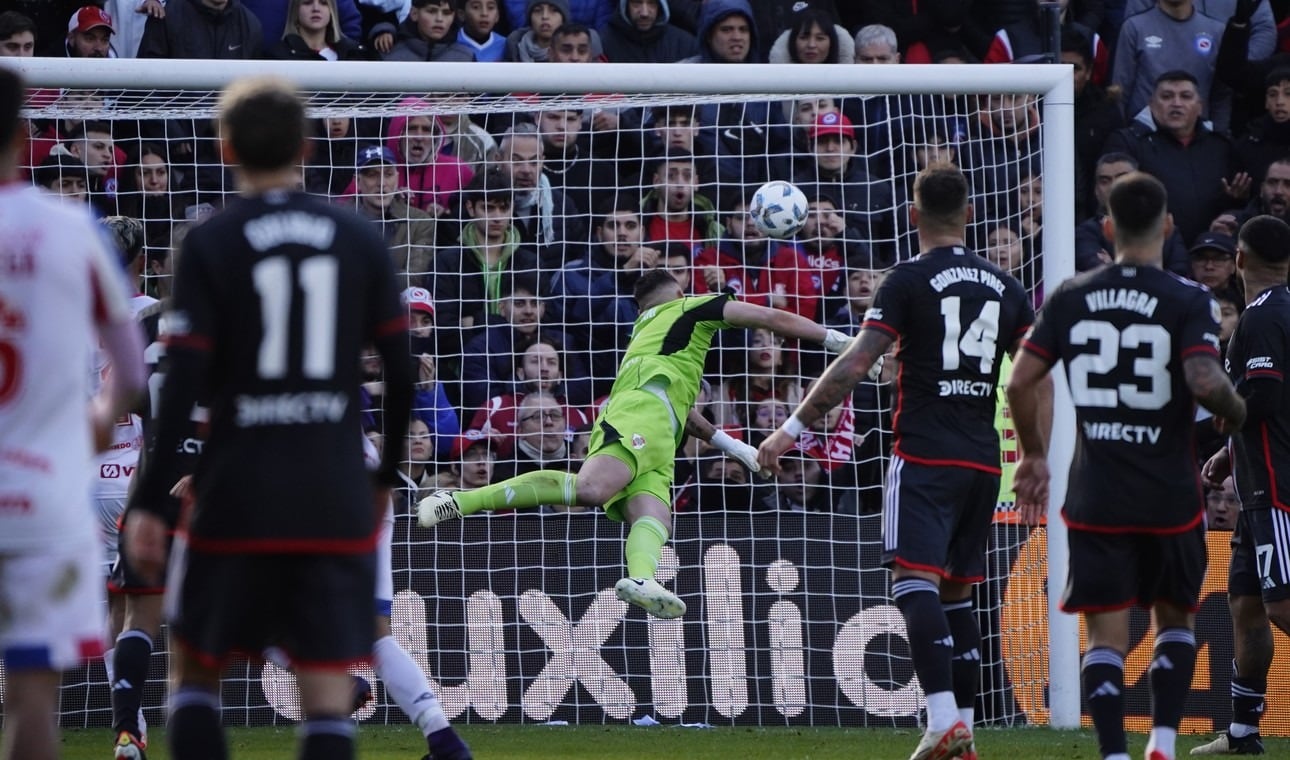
(790, 620)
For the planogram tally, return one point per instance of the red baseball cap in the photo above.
(89, 17)
(419, 299)
(832, 124)
(466, 441)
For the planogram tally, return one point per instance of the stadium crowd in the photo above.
(520, 229)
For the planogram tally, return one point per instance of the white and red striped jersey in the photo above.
(58, 283)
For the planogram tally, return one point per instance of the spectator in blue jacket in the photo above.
(477, 19)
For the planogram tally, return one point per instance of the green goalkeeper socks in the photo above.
(644, 545)
(520, 492)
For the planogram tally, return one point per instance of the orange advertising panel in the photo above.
(1024, 634)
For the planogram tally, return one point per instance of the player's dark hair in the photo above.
(941, 195)
(12, 92)
(1176, 75)
(1267, 239)
(263, 119)
(13, 22)
(1137, 204)
(651, 281)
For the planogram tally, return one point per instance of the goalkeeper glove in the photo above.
(875, 372)
(836, 341)
(736, 450)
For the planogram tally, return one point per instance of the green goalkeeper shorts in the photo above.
(636, 428)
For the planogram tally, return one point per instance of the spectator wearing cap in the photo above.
(814, 36)
(89, 34)
(531, 41)
(313, 33)
(1092, 246)
(641, 32)
(209, 29)
(1169, 140)
(420, 311)
(488, 364)
(865, 204)
(1274, 194)
(1213, 260)
(429, 33)
(1171, 36)
(379, 196)
(474, 456)
(432, 176)
(1268, 135)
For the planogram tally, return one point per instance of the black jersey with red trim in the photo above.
(274, 299)
(954, 315)
(1257, 355)
(1123, 333)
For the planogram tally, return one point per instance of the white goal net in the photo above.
(520, 203)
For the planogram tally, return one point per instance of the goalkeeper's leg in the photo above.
(600, 479)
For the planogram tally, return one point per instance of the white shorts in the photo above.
(384, 566)
(53, 607)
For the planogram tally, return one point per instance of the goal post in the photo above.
(137, 90)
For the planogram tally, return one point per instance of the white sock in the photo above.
(968, 716)
(942, 711)
(1241, 730)
(107, 665)
(1162, 740)
(407, 685)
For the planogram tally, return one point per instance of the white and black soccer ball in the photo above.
(778, 209)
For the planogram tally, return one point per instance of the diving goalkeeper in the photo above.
(629, 466)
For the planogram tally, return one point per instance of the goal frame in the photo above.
(1053, 82)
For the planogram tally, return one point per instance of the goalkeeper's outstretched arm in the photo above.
(698, 426)
(784, 323)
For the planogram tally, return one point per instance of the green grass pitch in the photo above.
(490, 742)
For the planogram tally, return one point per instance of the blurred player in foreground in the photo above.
(61, 294)
(274, 298)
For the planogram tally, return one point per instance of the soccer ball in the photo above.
(778, 209)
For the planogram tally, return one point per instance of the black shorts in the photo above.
(123, 580)
(937, 519)
(1260, 565)
(317, 608)
(1112, 571)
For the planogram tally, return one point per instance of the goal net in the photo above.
(520, 203)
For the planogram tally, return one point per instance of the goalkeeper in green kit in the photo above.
(629, 466)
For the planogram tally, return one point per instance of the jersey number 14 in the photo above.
(976, 342)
